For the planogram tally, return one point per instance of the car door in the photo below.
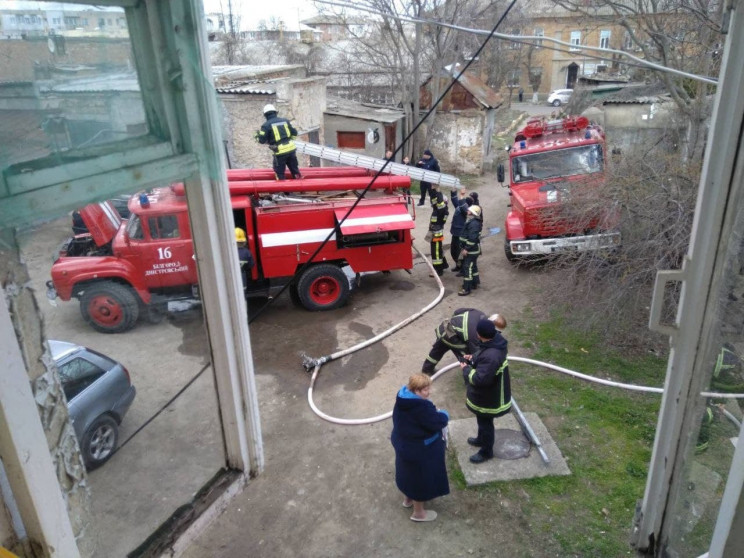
(85, 401)
(167, 252)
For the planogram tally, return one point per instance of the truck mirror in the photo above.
(500, 173)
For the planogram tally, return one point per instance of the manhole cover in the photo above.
(510, 444)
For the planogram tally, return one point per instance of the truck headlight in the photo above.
(520, 247)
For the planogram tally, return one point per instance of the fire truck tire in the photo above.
(109, 307)
(323, 287)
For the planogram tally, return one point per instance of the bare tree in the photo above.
(681, 34)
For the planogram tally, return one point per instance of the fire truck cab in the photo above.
(552, 163)
(120, 269)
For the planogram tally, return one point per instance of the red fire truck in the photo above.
(120, 269)
(552, 163)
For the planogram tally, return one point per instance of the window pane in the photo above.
(76, 375)
(67, 82)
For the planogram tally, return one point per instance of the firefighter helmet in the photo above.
(269, 108)
(474, 210)
(239, 235)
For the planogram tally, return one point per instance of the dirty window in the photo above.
(134, 228)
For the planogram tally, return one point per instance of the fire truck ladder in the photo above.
(372, 163)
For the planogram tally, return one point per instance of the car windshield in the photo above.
(572, 161)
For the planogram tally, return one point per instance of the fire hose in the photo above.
(316, 364)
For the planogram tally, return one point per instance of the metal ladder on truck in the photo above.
(375, 164)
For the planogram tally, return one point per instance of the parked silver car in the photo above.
(559, 97)
(99, 393)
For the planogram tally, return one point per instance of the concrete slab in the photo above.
(502, 469)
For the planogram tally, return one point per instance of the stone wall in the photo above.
(45, 385)
(302, 101)
(457, 140)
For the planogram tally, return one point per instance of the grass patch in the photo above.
(606, 435)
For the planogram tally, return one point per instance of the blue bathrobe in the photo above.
(420, 470)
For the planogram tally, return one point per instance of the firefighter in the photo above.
(427, 162)
(486, 373)
(458, 334)
(470, 244)
(244, 256)
(439, 213)
(279, 134)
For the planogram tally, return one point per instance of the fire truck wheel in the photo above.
(109, 307)
(323, 287)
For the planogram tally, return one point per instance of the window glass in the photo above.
(563, 162)
(575, 39)
(352, 140)
(66, 84)
(134, 228)
(163, 226)
(78, 374)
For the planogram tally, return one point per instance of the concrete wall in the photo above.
(628, 125)
(457, 140)
(22, 60)
(302, 101)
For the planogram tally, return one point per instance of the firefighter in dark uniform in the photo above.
(279, 134)
(486, 374)
(470, 244)
(439, 213)
(458, 334)
(245, 257)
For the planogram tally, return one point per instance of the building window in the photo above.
(515, 45)
(604, 38)
(575, 40)
(350, 140)
(539, 32)
(513, 78)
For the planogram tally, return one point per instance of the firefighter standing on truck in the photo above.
(439, 213)
(280, 135)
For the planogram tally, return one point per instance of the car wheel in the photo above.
(557, 103)
(323, 287)
(109, 307)
(99, 441)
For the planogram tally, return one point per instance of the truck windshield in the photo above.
(571, 161)
(134, 228)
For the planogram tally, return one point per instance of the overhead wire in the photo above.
(521, 38)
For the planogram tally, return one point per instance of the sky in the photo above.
(253, 11)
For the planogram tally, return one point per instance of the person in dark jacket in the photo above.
(439, 213)
(279, 134)
(427, 162)
(486, 373)
(459, 216)
(245, 257)
(420, 470)
(458, 334)
(470, 250)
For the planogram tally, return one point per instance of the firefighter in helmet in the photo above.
(470, 245)
(439, 213)
(279, 134)
(244, 256)
(458, 334)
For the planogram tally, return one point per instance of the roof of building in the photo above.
(91, 84)
(482, 92)
(362, 111)
(256, 87)
(31, 5)
(638, 94)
